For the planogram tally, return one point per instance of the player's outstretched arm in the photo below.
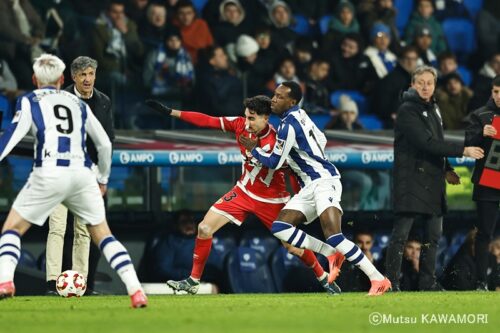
(194, 118)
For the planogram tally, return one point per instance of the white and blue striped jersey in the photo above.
(301, 144)
(60, 122)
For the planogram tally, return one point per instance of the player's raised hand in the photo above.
(248, 143)
(157, 106)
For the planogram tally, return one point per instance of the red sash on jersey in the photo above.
(491, 171)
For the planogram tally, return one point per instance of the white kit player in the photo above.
(301, 144)
(60, 122)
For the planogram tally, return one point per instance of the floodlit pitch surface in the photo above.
(350, 312)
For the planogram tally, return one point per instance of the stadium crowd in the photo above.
(209, 55)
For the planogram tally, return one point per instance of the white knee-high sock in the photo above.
(298, 238)
(354, 254)
(10, 251)
(120, 261)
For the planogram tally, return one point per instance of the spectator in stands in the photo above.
(195, 32)
(481, 132)
(281, 18)
(232, 23)
(348, 117)
(424, 15)
(21, 31)
(286, 72)
(350, 69)
(254, 71)
(117, 47)
(343, 22)
(312, 10)
(460, 273)
(422, 41)
(482, 82)
(171, 9)
(168, 71)
(448, 64)
(220, 92)
(419, 174)
(387, 94)
(317, 96)
(494, 278)
(410, 266)
(303, 52)
(453, 100)
(153, 29)
(267, 50)
(352, 279)
(382, 59)
(488, 29)
(8, 82)
(136, 10)
(372, 11)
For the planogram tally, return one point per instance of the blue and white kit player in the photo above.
(301, 145)
(61, 173)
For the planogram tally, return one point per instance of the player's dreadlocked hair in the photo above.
(260, 104)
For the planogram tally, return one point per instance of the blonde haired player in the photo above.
(60, 122)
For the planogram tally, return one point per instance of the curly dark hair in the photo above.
(260, 104)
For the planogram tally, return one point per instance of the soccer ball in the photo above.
(71, 283)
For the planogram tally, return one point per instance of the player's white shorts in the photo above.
(317, 196)
(46, 188)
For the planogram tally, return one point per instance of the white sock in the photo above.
(119, 259)
(10, 251)
(298, 238)
(354, 254)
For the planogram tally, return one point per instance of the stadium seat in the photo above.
(376, 253)
(465, 74)
(5, 111)
(300, 25)
(221, 247)
(324, 23)
(261, 242)
(461, 36)
(381, 240)
(473, 7)
(370, 122)
(248, 272)
(356, 96)
(118, 176)
(22, 167)
(281, 263)
(404, 10)
(199, 5)
(27, 259)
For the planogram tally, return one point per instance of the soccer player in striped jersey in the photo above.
(62, 173)
(301, 144)
(260, 190)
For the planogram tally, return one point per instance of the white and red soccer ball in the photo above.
(71, 284)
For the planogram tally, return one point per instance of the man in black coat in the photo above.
(480, 133)
(420, 170)
(83, 72)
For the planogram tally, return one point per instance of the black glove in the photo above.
(157, 106)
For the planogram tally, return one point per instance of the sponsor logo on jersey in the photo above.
(280, 144)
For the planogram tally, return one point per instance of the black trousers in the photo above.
(486, 223)
(433, 229)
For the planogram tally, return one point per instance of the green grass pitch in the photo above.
(253, 313)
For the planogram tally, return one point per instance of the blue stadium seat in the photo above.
(324, 23)
(22, 168)
(261, 242)
(199, 5)
(118, 176)
(376, 253)
(300, 25)
(461, 36)
(281, 263)
(248, 272)
(404, 10)
(27, 259)
(5, 109)
(381, 240)
(465, 74)
(356, 96)
(473, 7)
(370, 122)
(221, 247)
